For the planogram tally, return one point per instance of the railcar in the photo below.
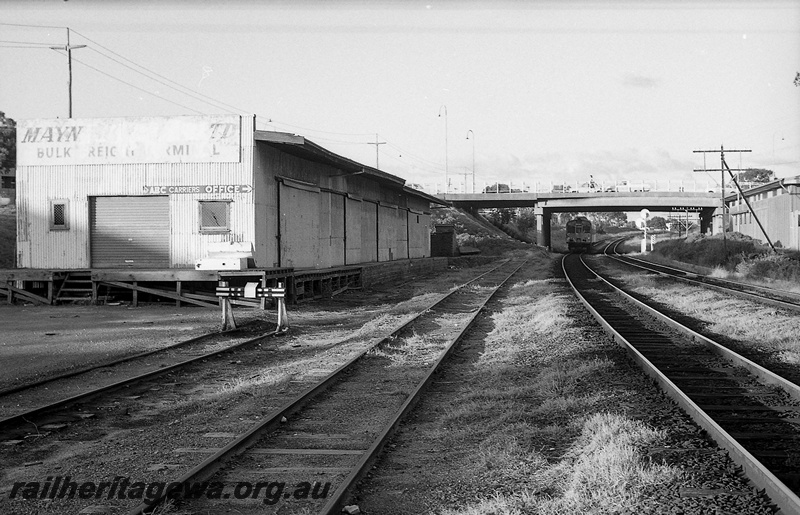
(580, 234)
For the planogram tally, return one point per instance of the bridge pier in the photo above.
(542, 226)
(707, 220)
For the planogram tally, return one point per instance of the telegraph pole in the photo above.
(723, 167)
(473, 159)
(69, 48)
(377, 143)
(446, 183)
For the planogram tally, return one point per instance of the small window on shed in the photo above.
(214, 216)
(59, 215)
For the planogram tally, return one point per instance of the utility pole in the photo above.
(377, 143)
(69, 48)
(473, 158)
(723, 167)
(446, 183)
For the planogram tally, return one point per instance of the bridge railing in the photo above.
(559, 187)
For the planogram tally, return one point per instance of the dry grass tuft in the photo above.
(602, 472)
(774, 330)
(415, 350)
(719, 273)
(240, 384)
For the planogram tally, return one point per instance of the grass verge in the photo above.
(540, 418)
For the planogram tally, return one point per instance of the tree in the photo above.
(754, 175)
(797, 79)
(8, 144)
(497, 188)
(657, 222)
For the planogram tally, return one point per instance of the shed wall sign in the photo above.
(207, 188)
(91, 141)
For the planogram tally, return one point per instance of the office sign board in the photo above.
(201, 188)
(97, 141)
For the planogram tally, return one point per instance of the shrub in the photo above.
(711, 252)
(771, 266)
(742, 254)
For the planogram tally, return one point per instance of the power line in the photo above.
(26, 42)
(163, 82)
(323, 132)
(38, 47)
(150, 74)
(35, 26)
(137, 87)
(405, 152)
(156, 74)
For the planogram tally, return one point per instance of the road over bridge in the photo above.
(545, 204)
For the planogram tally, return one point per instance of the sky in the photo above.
(547, 92)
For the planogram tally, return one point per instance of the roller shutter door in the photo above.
(129, 232)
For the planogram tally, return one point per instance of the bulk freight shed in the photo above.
(143, 203)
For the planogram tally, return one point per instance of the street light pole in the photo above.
(69, 48)
(473, 158)
(446, 184)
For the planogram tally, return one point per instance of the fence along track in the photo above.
(640, 343)
(778, 298)
(352, 456)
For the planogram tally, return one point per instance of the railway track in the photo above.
(751, 412)
(309, 452)
(59, 400)
(774, 297)
(106, 364)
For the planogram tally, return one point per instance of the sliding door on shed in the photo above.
(129, 232)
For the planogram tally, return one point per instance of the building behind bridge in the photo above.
(776, 205)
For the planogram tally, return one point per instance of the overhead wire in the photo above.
(196, 95)
(24, 46)
(407, 153)
(135, 87)
(164, 83)
(27, 43)
(34, 26)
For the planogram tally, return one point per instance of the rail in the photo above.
(611, 319)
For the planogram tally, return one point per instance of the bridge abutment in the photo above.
(707, 220)
(543, 226)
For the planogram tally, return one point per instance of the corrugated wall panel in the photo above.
(324, 258)
(75, 183)
(401, 232)
(337, 224)
(354, 228)
(419, 234)
(265, 189)
(369, 232)
(387, 234)
(300, 219)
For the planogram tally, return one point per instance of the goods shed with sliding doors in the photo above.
(158, 193)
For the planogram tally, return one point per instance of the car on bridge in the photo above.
(588, 187)
(626, 186)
